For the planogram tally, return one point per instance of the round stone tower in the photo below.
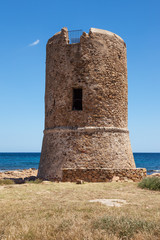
(86, 104)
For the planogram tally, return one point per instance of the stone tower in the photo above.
(86, 104)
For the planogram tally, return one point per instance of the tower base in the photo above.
(84, 148)
(103, 174)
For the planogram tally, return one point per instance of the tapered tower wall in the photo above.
(96, 136)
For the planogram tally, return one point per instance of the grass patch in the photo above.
(152, 183)
(124, 227)
(36, 181)
(58, 211)
(6, 182)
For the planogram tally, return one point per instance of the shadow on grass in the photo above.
(32, 179)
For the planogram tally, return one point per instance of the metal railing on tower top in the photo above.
(74, 36)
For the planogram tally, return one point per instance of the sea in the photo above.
(13, 161)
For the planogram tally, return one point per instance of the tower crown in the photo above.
(86, 82)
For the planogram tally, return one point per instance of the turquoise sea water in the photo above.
(11, 161)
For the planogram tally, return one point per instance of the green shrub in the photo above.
(152, 183)
(6, 181)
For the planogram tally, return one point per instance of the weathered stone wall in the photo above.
(97, 136)
(85, 148)
(103, 174)
(98, 65)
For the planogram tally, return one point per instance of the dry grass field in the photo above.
(59, 211)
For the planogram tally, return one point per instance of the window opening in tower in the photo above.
(77, 99)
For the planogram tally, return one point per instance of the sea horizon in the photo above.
(40, 152)
(10, 161)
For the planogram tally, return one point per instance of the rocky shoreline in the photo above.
(20, 176)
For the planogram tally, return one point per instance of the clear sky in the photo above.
(25, 27)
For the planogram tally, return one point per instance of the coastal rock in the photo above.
(115, 179)
(155, 175)
(20, 176)
(79, 181)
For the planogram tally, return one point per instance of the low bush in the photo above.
(152, 183)
(6, 181)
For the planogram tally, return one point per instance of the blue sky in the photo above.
(22, 64)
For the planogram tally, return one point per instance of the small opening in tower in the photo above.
(77, 99)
